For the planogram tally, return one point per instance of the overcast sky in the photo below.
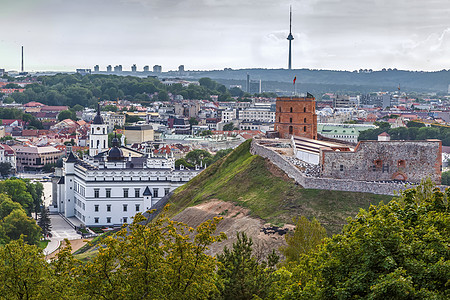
(214, 34)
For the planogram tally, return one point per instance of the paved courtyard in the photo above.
(60, 230)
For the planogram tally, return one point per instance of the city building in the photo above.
(146, 68)
(8, 155)
(344, 132)
(118, 69)
(96, 68)
(133, 68)
(111, 187)
(157, 69)
(296, 116)
(139, 134)
(109, 69)
(35, 158)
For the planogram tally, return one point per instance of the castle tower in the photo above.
(98, 137)
(296, 116)
(290, 38)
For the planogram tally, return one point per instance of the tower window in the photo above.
(304, 109)
(291, 109)
(291, 130)
(304, 120)
(290, 120)
(304, 128)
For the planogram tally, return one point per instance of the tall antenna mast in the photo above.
(290, 38)
(22, 59)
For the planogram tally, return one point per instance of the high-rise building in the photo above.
(109, 69)
(133, 68)
(146, 68)
(181, 68)
(296, 116)
(255, 87)
(157, 69)
(96, 68)
(118, 69)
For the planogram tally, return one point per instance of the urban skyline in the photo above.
(210, 34)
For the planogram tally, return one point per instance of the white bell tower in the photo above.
(98, 135)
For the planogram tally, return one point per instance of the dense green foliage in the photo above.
(75, 89)
(397, 250)
(409, 133)
(18, 198)
(445, 178)
(14, 113)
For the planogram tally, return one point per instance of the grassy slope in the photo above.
(253, 182)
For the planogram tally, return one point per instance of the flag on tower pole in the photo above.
(295, 87)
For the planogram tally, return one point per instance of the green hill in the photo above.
(254, 183)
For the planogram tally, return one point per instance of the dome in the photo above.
(115, 153)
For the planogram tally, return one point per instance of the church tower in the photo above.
(98, 137)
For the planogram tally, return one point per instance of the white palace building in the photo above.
(109, 186)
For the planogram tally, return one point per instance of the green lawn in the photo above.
(43, 244)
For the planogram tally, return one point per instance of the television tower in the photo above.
(290, 38)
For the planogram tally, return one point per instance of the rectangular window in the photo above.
(108, 193)
(137, 207)
(96, 193)
(125, 219)
(125, 207)
(96, 220)
(95, 207)
(155, 193)
(136, 193)
(108, 219)
(341, 168)
(108, 207)
(166, 191)
(125, 193)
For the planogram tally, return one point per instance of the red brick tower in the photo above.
(296, 116)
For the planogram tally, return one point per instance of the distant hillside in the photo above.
(254, 183)
(273, 79)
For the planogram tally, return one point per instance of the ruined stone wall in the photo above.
(388, 160)
(326, 183)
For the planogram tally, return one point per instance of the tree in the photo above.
(112, 108)
(183, 162)
(111, 136)
(18, 224)
(132, 119)
(240, 275)
(44, 222)
(305, 239)
(24, 273)
(163, 96)
(5, 169)
(66, 114)
(397, 250)
(195, 157)
(158, 260)
(17, 190)
(78, 107)
(36, 190)
(206, 133)
(193, 121)
(228, 126)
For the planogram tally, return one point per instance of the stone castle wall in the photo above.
(326, 183)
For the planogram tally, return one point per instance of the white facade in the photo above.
(257, 114)
(8, 155)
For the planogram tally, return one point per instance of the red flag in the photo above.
(295, 78)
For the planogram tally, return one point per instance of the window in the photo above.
(155, 193)
(125, 207)
(166, 191)
(96, 220)
(304, 109)
(96, 193)
(291, 129)
(291, 109)
(341, 168)
(125, 219)
(401, 163)
(95, 207)
(108, 193)
(108, 219)
(108, 207)
(304, 128)
(290, 120)
(304, 120)
(137, 207)
(125, 193)
(386, 168)
(378, 163)
(136, 193)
